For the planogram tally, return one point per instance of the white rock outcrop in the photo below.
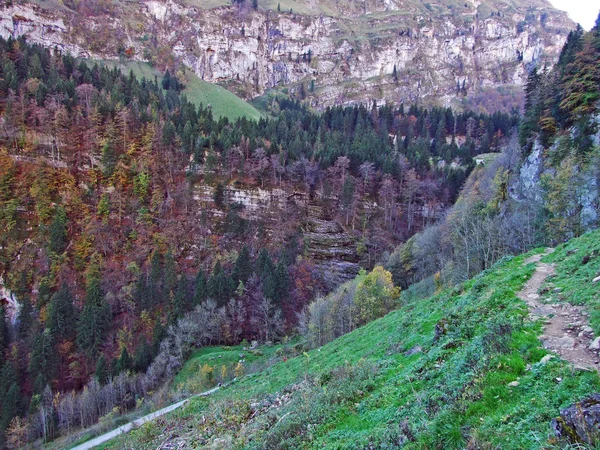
(349, 55)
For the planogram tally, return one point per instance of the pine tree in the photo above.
(94, 320)
(101, 370)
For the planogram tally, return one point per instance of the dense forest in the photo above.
(104, 247)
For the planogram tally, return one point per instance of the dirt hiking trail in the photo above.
(566, 332)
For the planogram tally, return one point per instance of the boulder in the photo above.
(580, 423)
(595, 345)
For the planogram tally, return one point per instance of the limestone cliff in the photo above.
(342, 53)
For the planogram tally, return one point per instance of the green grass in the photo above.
(221, 362)
(365, 389)
(223, 102)
(574, 275)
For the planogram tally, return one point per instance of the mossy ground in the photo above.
(368, 390)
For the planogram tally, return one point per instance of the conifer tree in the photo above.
(243, 266)
(94, 320)
(220, 286)
(58, 231)
(44, 356)
(200, 288)
(155, 288)
(10, 405)
(124, 362)
(170, 277)
(8, 376)
(264, 264)
(180, 298)
(61, 314)
(3, 335)
(142, 357)
(101, 370)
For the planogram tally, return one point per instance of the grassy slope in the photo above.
(574, 275)
(365, 389)
(223, 102)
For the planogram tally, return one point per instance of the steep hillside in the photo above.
(463, 368)
(333, 52)
(221, 102)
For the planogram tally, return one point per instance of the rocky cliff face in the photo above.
(342, 53)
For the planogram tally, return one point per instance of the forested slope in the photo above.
(105, 243)
(463, 368)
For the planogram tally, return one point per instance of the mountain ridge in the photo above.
(400, 51)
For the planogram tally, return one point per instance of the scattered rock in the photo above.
(595, 280)
(413, 351)
(513, 384)
(566, 342)
(580, 423)
(441, 328)
(546, 359)
(595, 345)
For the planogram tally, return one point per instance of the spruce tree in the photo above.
(8, 376)
(155, 287)
(220, 285)
(124, 362)
(94, 320)
(25, 317)
(44, 356)
(170, 276)
(180, 299)
(10, 406)
(243, 266)
(39, 384)
(142, 357)
(264, 264)
(61, 314)
(58, 231)
(200, 288)
(3, 334)
(101, 370)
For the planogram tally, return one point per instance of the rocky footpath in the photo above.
(343, 53)
(566, 331)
